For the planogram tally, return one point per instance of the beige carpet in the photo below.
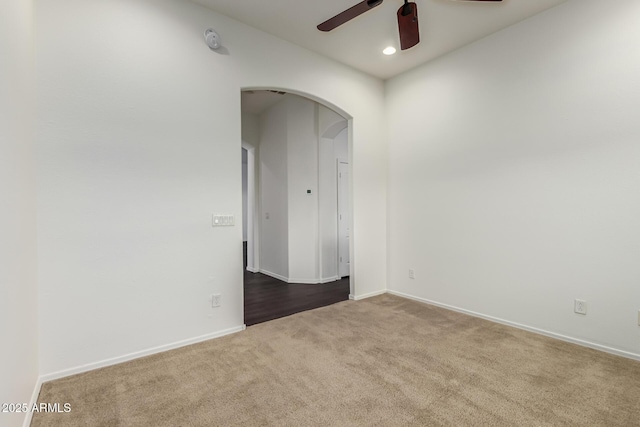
(383, 361)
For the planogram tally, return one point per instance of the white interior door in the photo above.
(343, 219)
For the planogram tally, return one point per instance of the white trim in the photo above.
(138, 354)
(34, 399)
(251, 232)
(313, 281)
(560, 337)
(253, 270)
(304, 281)
(364, 296)
(339, 191)
(274, 275)
(300, 281)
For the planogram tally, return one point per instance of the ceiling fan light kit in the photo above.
(390, 50)
(408, 25)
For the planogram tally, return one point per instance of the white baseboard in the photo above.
(304, 281)
(560, 337)
(34, 399)
(274, 275)
(364, 296)
(137, 355)
(301, 281)
(312, 281)
(253, 270)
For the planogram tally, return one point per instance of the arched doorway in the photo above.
(300, 150)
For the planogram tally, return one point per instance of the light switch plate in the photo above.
(223, 220)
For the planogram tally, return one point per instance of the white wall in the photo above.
(330, 124)
(274, 192)
(250, 129)
(341, 147)
(289, 168)
(138, 144)
(18, 296)
(514, 188)
(302, 165)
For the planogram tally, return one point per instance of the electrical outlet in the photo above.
(412, 273)
(580, 306)
(215, 300)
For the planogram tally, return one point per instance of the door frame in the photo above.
(349, 118)
(338, 193)
(253, 242)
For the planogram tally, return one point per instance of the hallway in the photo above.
(266, 298)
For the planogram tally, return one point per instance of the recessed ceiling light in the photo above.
(389, 50)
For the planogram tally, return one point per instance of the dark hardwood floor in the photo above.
(266, 298)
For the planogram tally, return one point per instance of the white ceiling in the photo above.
(255, 102)
(445, 25)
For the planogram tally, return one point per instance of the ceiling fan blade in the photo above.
(408, 25)
(349, 14)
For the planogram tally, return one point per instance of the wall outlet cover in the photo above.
(580, 306)
(215, 300)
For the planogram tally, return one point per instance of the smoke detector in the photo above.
(212, 38)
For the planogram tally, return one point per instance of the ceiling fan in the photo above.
(407, 20)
